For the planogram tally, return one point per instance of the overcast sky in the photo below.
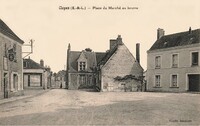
(52, 28)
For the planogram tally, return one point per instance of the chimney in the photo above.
(69, 46)
(113, 43)
(42, 63)
(138, 52)
(190, 30)
(160, 33)
(119, 40)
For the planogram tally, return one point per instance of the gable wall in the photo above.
(121, 63)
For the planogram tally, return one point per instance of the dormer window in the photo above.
(82, 62)
(82, 66)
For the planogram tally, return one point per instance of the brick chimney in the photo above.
(160, 33)
(114, 42)
(138, 52)
(42, 63)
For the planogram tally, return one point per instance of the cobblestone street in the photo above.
(60, 106)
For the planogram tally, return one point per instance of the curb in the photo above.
(12, 99)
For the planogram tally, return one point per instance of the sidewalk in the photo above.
(28, 93)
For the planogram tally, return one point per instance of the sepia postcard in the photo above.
(99, 62)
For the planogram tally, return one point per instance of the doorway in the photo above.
(194, 82)
(5, 85)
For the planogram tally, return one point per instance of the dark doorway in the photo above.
(5, 85)
(28, 80)
(194, 82)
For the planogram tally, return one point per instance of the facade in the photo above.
(114, 70)
(59, 79)
(36, 75)
(11, 76)
(173, 62)
(80, 69)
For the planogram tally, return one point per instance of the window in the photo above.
(175, 60)
(25, 64)
(157, 81)
(82, 66)
(82, 80)
(195, 58)
(158, 61)
(174, 81)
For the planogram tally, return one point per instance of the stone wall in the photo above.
(121, 63)
(12, 68)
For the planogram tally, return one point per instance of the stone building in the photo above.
(36, 75)
(114, 70)
(61, 79)
(173, 62)
(11, 76)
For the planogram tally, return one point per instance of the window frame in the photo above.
(172, 63)
(159, 63)
(25, 66)
(82, 66)
(171, 81)
(191, 58)
(155, 81)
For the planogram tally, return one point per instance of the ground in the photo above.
(60, 106)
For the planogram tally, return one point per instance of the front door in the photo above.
(5, 85)
(194, 82)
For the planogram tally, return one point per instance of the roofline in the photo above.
(172, 48)
(76, 51)
(110, 51)
(179, 32)
(15, 36)
(41, 67)
(21, 42)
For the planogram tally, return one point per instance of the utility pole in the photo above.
(31, 48)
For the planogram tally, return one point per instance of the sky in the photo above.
(52, 29)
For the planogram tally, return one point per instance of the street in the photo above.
(72, 107)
